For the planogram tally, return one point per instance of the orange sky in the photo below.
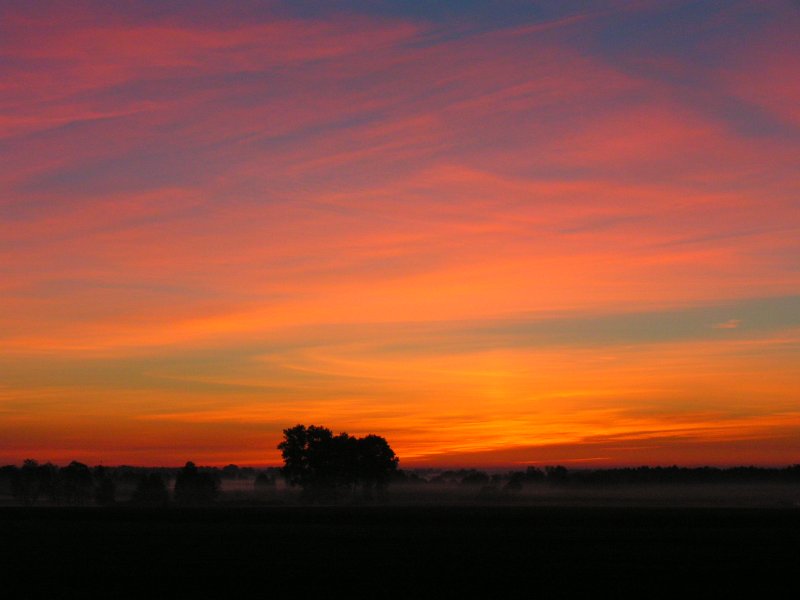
(519, 236)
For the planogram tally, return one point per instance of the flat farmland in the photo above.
(405, 551)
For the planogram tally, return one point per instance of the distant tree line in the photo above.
(77, 484)
(561, 476)
(328, 468)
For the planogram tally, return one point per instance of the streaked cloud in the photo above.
(464, 229)
(729, 324)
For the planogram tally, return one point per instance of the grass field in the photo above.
(406, 551)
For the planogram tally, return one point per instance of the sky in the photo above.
(497, 234)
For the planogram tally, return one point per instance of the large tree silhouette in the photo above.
(325, 465)
(376, 463)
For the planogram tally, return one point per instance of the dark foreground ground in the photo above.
(371, 552)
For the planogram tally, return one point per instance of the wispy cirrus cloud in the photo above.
(287, 208)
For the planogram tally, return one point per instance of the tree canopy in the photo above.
(323, 463)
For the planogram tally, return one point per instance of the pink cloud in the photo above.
(170, 186)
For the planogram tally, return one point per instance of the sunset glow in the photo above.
(524, 235)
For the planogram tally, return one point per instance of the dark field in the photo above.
(406, 551)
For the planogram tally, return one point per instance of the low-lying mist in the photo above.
(35, 484)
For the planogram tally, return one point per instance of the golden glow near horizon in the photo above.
(507, 240)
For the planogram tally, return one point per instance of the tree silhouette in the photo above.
(300, 449)
(194, 487)
(75, 483)
(514, 483)
(557, 475)
(151, 491)
(264, 483)
(32, 481)
(105, 489)
(231, 472)
(24, 486)
(475, 477)
(324, 464)
(376, 463)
